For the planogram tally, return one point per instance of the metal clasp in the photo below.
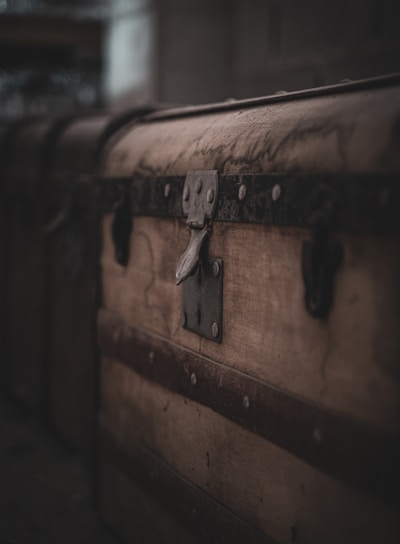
(199, 204)
(202, 275)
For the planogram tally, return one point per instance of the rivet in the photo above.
(276, 192)
(215, 329)
(242, 192)
(216, 269)
(210, 195)
(167, 190)
(186, 193)
(193, 379)
(317, 435)
(151, 357)
(199, 185)
(246, 402)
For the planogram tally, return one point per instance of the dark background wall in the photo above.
(241, 48)
(58, 55)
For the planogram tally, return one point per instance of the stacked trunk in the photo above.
(73, 285)
(30, 144)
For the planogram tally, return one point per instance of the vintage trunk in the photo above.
(26, 263)
(74, 236)
(259, 400)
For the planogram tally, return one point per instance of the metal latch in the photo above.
(202, 290)
(199, 203)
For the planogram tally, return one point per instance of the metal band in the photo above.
(336, 88)
(359, 202)
(355, 453)
(201, 514)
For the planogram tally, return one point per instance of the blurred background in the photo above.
(57, 56)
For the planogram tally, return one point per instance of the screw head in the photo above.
(246, 402)
(210, 195)
(216, 269)
(242, 192)
(214, 329)
(193, 378)
(151, 357)
(186, 193)
(167, 190)
(276, 192)
(199, 185)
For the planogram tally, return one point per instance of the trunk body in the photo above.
(286, 427)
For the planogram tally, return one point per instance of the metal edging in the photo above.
(338, 88)
(367, 203)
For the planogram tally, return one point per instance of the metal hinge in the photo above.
(202, 276)
(121, 228)
(321, 256)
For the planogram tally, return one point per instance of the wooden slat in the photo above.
(348, 362)
(135, 515)
(341, 447)
(266, 486)
(173, 498)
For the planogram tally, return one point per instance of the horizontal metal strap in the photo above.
(356, 453)
(359, 202)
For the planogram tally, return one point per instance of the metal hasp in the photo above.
(202, 277)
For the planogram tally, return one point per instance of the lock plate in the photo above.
(202, 300)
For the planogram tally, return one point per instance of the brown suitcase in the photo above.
(259, 400)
